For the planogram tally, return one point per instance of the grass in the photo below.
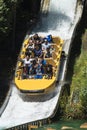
(75, 124)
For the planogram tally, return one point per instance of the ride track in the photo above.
(61, 21)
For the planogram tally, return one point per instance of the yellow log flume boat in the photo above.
(38, 64)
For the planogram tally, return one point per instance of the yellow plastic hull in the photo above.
(39, 85)
(34, 85)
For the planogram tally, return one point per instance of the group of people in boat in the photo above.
(35, 64)
(39, 46)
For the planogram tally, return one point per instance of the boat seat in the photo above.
(24, 49)
(19, 64)
(23, 52)
(18, 74)
(56, 40)
(26, 41)
(62, 41)
(54, 55)
(58, 57)
(22, 56)
(56, 48)
(60, 49)
(51, 61)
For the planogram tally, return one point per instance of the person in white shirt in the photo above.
(30, 45)
(45, 45)
(27, 60)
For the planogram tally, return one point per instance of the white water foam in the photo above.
(59, 19)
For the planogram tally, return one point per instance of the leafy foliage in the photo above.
(4, 20)
(73, 111)
(77, 106)
(83, 97)
(80, 72)
(6, 17)
(84, 41)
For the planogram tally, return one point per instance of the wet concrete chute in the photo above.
(60, 20)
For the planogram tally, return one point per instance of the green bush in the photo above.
(77, 106)
(83, 98)
(6, 17)
(73, 111)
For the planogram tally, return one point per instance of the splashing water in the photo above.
(58, 20)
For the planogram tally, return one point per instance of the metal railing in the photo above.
(29, 126)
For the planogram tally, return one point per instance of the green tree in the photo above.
(83, 98)
(6, 17)
(77, 104)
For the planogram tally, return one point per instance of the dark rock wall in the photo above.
(32, 6)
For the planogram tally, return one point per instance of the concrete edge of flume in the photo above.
(6, 100)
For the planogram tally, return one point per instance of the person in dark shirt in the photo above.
(25, 72)
(49, 71)
(48, 53)
(37, 51)
(36, 37)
